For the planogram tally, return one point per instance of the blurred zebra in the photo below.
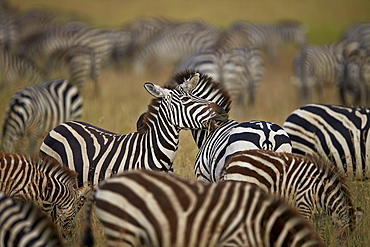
(175, 42)
(147, 208)
(358, 32)
(309, 183)
(240, 70)
(17, 69)
(266, 37)
(24, 224)
(317, 67)
(338, 133)
(37, 109)
(356, 81)
(8, 26)
(96, 154)
(46, 182)
(232, 137)
(81, 63)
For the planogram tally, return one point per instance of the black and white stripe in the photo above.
(263, 36)
(240, 70)
(24, 224)
(311, 184)
(47, 183)
(96, 154)
(338, 133)
(37, 109)
(147, 208)
(232, 137)
(358, 32)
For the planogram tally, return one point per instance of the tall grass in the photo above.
(122, 97)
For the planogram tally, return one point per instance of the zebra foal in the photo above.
(37, 109)
(47, 183)
(310, 184)
(147, 208)
(337, 133)
(96, 154)
(24, 224)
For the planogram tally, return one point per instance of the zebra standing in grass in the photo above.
(146, 208)
(338, 133)
(230, 136)
(23, 224)
(309, 183)
(96, 154)
(46, 182)
(266, 37)
(240, 70)
(175, 42)
(37, 109)
(17, 69)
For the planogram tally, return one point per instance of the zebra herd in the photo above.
(258, 183)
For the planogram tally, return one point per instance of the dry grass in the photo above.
(122, 97)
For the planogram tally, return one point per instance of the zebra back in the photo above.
(309, 183)
(24, 224)
(158, 209)
(338, 133)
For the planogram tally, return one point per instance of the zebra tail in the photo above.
(88, 239)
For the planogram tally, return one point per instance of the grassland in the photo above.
(122, 97)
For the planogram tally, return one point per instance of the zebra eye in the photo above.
(185, 98)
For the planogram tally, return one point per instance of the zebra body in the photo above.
(96, 154)
(47, 183)
(265, 37)
(23, 224)
(359, 32)
(338, 133)
(147, 208)
(37, 109)
(310, 184)
(240, 70)
(232, 137)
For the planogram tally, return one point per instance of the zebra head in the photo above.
(180, 108)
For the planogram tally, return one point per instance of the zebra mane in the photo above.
(207, 87)
(51, 166)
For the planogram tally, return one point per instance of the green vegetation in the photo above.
(122, 96)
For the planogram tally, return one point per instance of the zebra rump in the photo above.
(147, 208)
(338, 133)
(37, 109)
(309, 183)
(24, 224)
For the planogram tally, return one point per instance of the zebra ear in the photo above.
(190, 84)
(155, 90)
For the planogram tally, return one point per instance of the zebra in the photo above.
(356, 81)
(16, 69)
(231, 137)
(96, 154)
(338, 133)
(148, 208)
(358, 32)
(44, 181)
(320, 66)
(240, 70)
(81, 62)
(311, 184)
(24, 224)
(263, 36)
(175, 42)
(37, 109)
